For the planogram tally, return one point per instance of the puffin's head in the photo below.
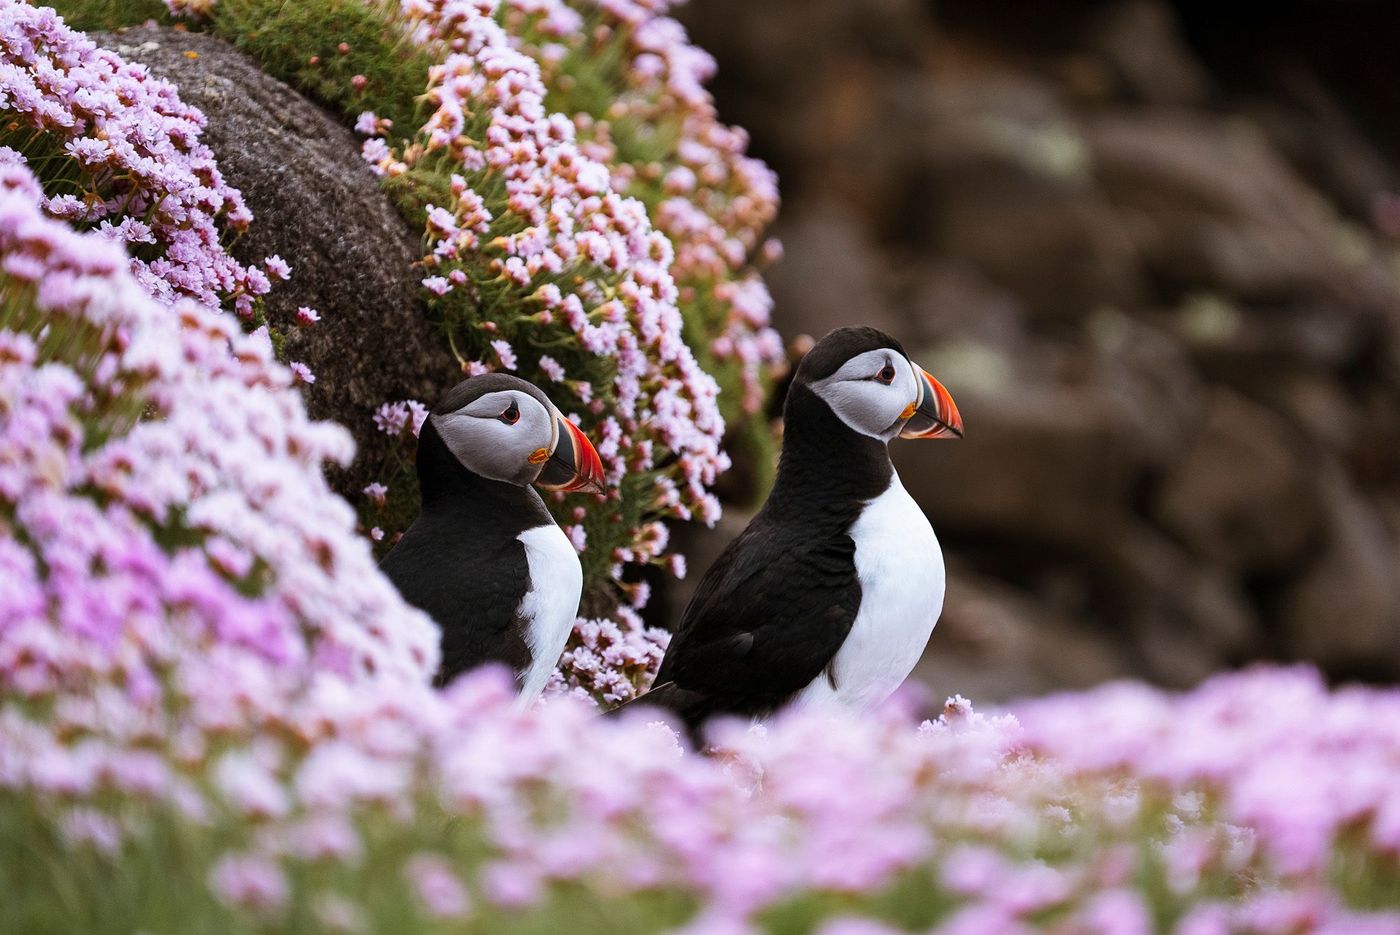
(874, 388)
(500, 427)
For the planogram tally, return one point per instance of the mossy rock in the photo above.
(317, 205)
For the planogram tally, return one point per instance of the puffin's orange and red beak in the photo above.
(574, 465)
(935, 414)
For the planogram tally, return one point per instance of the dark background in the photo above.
(1150, 247)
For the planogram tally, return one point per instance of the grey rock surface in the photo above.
(1049, 464)
(993, 644)
(1141, 43)
(832, 276)
(1344, 610)
(1243, 494)
(317, 205)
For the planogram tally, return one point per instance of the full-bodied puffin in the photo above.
(484, 558)
(831, 592)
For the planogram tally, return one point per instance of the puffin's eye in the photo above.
(886, 375)
(511, 415)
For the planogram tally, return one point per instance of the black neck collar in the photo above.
(825, 465)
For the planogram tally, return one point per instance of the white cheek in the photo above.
(487, 446)
(463, 434)
(484, 446)
(867, 406)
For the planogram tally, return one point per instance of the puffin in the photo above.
(484, 558)
(831, 593)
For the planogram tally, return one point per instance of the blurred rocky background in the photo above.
(1151, 249)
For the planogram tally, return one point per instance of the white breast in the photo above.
(551, 603)
(900, 568)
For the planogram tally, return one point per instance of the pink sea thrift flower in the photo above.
(339, 914)
(417, 414)
(151, 179)
(391, 418)
(249, 882)
(278, 267)
(504, 353)
(551, 368)
(437, 887)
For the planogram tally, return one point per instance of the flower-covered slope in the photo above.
(116, 150)
(635, 86)
(596, 217)
(161, 494)
(589, 225)
(551, 259)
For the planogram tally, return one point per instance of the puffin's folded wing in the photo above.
(472, 593)
(766, 621)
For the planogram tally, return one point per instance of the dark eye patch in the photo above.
(511, 415)
(886, 374)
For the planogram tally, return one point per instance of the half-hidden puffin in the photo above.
(830, 594)
(484, 558)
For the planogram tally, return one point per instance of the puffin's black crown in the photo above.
(473, 388)
(839, 346)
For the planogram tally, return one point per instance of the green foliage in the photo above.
(157, 882)
(301, 43)
(96, 15)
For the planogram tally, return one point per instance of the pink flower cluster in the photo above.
(164, 523)
(714, 201)
(118, 151)
(1302, 769)
(393, 417)
(609, 661)
(993, 834)
(536, 219)
(192, 9)
(541, 263)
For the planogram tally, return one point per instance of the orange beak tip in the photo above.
(591, 477)
(937, 415)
